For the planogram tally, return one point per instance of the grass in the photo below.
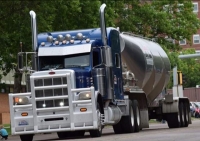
(7, 127)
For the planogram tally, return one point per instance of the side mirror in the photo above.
(20, 61)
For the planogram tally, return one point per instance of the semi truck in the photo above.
(83, 80)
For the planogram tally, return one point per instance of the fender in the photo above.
(170, 107)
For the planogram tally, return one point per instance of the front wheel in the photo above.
(28, 137)
(97, 132)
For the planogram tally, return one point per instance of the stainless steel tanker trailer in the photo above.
(147, 63)
(83, 80)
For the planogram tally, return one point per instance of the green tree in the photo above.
(190, 68)
(15, 25)
(160, 19)
(15, 28)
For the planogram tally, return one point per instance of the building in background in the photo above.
(195, 39)
(7, 83)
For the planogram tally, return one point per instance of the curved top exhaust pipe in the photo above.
(34, 39)
(34, 30)
(103, 24)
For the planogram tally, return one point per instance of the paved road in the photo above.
(156, 132)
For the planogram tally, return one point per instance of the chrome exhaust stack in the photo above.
(34, 39)
(107, 55)
(103, 24)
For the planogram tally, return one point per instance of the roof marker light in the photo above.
(52, 72)
(87, 40)
(43, 44)
(56, 42)
(71, 41)
(64, 42)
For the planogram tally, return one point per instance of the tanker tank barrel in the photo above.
(149, 63)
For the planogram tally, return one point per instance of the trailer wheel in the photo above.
(136, 114)
(173, 120)
(127, 122)
(181, 110)
(186, 113)
(97, 132)
(28, 137)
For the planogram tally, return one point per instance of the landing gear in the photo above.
(28, 137)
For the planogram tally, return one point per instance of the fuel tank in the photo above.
(149, 63)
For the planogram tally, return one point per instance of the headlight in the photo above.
(84, 95)
(21, 100)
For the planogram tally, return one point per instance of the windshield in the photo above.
(81, 61)
(61, 62)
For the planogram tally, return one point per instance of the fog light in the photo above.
(61, 103)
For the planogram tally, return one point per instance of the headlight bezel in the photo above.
(86, 95)
(21, 100)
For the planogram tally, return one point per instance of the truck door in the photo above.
(114, 42)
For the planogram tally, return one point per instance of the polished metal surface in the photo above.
(98, 75)
(149, 63)
(34, 39)
(109, 83)
(107, 55)
(102, 24)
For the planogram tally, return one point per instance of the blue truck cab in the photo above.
(67, 51)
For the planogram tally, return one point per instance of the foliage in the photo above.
(160, 19)
(190, 68)
(166, 21)
(146, 19)
(15, 25)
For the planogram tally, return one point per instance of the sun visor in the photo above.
(64, 50)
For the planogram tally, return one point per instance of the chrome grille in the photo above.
(51, 92)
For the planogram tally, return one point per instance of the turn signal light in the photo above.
(24, 114)
(83, 109)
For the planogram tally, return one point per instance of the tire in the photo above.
(173, 120)
(97, 132)
(136, 114)
(28, 137)
(127, 122)
(118, 128)
(186, 114)
(181, 112)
